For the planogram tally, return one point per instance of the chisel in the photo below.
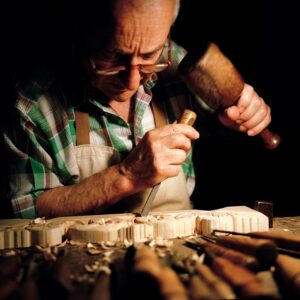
(188, 117)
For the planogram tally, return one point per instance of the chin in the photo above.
(122, 96)
(114, 90)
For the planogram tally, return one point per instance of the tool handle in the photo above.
(213, 77)
(285, 240)
(170, 285)
(271, 140)
(244, 282)
(288, 269)
(188, 117)
(264, 250)
(199, 289)
(221, 288)
(234, 256)
(237, 257)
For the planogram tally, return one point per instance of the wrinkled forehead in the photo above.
(105, 22)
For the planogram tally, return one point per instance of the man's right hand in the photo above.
(159, 155)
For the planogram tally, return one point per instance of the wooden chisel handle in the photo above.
(101, 287)
(199, 289)
(288, 269)
(146, 262)
(264, 250)
(171, 287)
(288, 241)
(244, 282)
(234, 256)
(221, 288)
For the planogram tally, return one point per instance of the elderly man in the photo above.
(102, 146)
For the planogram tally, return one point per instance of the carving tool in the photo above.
(212, 76)
(188, 117)
(286, 243)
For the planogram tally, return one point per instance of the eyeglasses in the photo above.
(145, 69)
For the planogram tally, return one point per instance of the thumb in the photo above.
(229, 117)
(232, 113)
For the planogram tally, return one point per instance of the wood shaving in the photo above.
(93, 251)
(91, 268)
(105, 269)
(91, 246)
(38, 221)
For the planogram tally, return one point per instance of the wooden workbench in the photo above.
(287, 224)
(75, 272)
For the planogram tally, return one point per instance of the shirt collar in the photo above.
(151, 82)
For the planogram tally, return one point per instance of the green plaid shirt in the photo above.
(41, 148)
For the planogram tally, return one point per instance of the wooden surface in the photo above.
(72, 271)
(287, 224)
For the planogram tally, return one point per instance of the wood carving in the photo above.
(128, 228)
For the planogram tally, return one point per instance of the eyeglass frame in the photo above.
(117, 70)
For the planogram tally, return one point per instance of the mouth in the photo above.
(118, 87)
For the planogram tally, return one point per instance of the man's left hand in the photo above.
(251, 114)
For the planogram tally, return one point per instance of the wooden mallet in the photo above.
(212, 76)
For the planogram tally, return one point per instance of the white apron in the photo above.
(91, 159)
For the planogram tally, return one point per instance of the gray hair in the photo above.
(176, 10)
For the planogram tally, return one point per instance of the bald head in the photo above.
(150, 7)
(98, 20)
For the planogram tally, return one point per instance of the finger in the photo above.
(232, 113)
(169, 169)
(256, 105)
(178, 141)
(173, 170)
(261, 126)
(187, 130)
(245, 97)
(173, 157)
(257, 118)
(156, 145)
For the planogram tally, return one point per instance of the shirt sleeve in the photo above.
(40, 154)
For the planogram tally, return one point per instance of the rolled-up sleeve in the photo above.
(40, 153)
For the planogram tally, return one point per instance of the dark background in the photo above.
(263, 41)
(261, 37)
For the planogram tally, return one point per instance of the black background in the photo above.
(261, 37)
(263, 41)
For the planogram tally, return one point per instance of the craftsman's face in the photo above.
(138, 38)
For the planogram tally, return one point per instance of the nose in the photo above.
(131, 78)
